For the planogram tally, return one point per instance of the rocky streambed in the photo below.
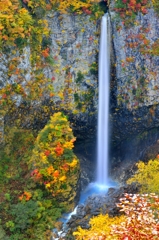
(94, 205)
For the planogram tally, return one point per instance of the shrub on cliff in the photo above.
(53, 163)
(147, 176)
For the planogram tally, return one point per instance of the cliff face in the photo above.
(134, 119)
(74, 43)
(134, 86)
(137, 62)
(74, 46)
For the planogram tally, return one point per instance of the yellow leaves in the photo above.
(1, 26)
(147, 176)
(5, 5)
(60, 94)
(100, 227)
(48, 185)
(95, 41)
(65, 6)
(73, 163)
(43, 158)
(68, 145)
(62, 179)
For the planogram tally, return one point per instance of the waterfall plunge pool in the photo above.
(93, 189)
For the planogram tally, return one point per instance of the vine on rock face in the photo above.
(55, 165)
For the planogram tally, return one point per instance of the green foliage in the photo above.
(80, 77)
(147, 176)
(2, 233)
(156, 5)
(94, 68)
(76, 97)
(27, 211)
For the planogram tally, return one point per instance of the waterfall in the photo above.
(103, 102)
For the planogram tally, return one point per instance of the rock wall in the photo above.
(74, 46)
(135, 109)
(137, 67)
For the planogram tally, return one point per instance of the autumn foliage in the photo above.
(147, 176)
(54, 164)
(127, 9)
(140, 222)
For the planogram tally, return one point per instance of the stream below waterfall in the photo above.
(92, 191)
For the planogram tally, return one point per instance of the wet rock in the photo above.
(98, 204)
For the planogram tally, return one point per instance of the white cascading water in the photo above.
(102, 183)
(103, 102)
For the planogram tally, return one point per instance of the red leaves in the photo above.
(126, 238)
(130, 7)
(87, 11)
(90, 38)
(142, 217)
(47, 153)
(4, 96)
(65, 167)
(36, 175)
(59, 150)
(144, 10)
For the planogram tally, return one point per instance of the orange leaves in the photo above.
(5, 37)
(46, 53)
(50, 170)
(56, 174)
(59, 150)
(130, 59)
(48, 7)
(25, 196)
